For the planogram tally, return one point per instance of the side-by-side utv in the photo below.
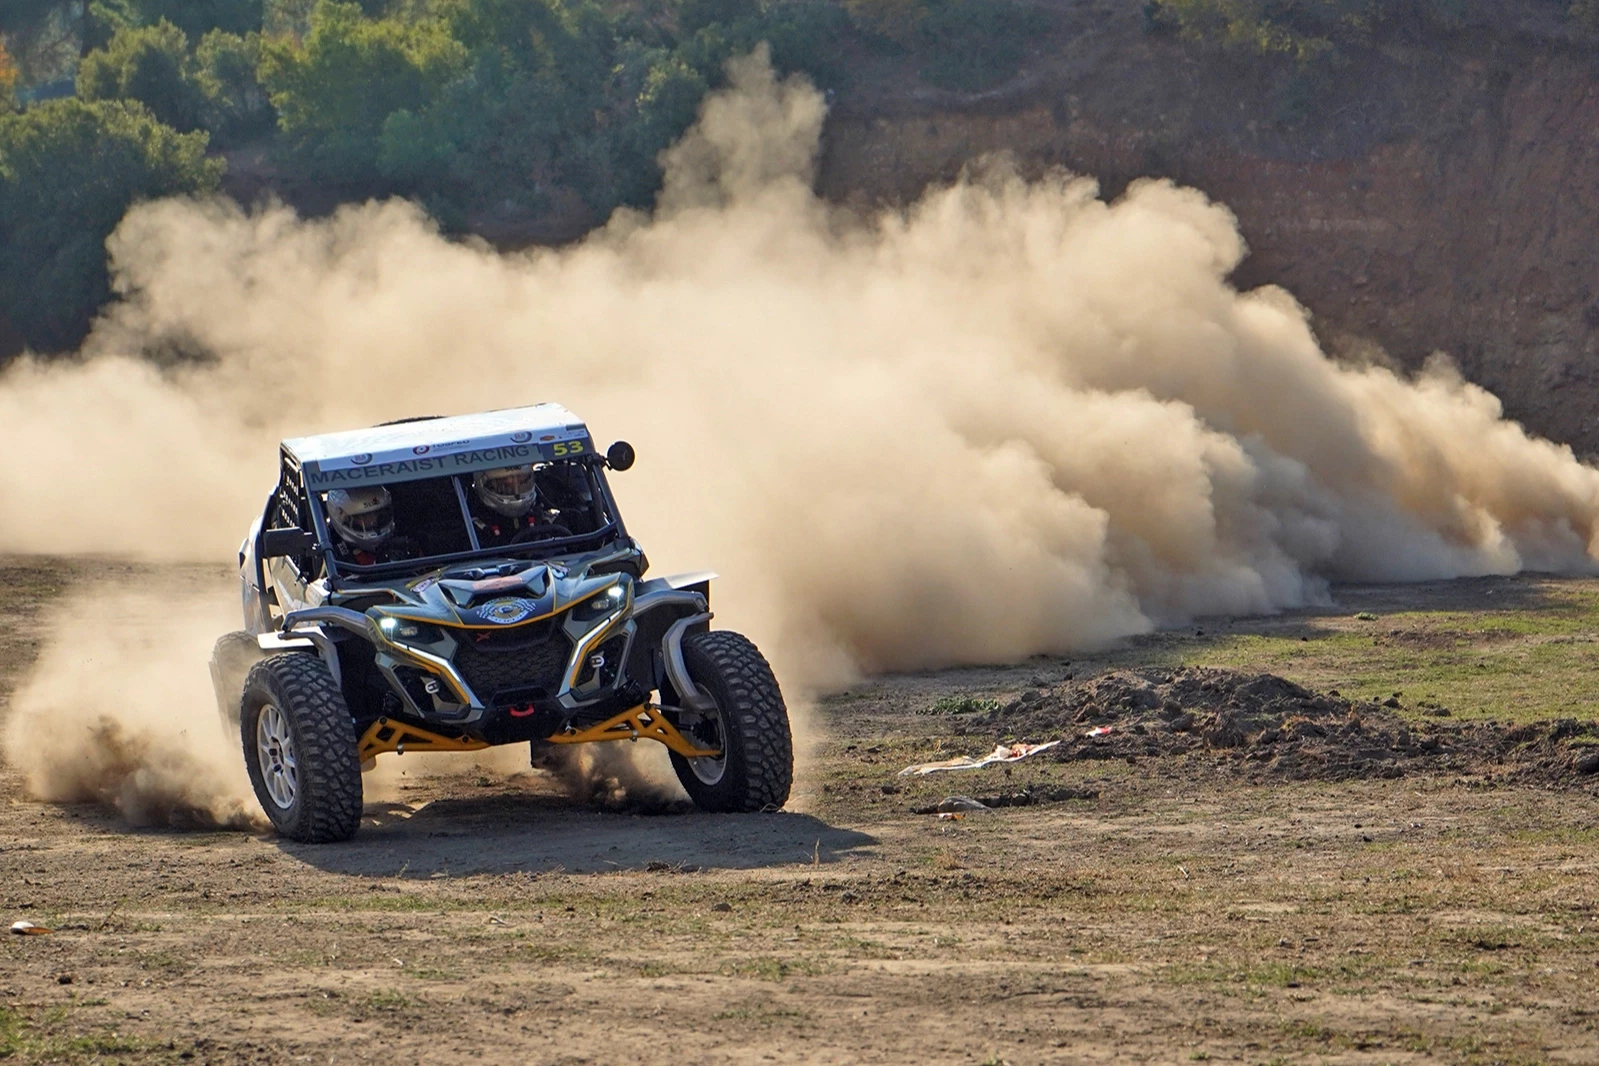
(389, 608)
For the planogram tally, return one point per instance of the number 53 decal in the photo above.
(571, 447)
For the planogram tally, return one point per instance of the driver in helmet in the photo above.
(504, 504)
(364, 521)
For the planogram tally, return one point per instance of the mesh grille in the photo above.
(529, 659)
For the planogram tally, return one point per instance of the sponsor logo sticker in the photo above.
(362, 459)
(507, 611)
(521, 436)
(421, 449)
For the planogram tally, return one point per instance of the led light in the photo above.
(387, 624)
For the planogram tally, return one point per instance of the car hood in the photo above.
(489, 595)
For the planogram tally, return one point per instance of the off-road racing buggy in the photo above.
(451, 644)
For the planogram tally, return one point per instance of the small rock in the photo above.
(721, 908)
(957, 804)
(1587, 764)
(66, 978)
(1391, 701)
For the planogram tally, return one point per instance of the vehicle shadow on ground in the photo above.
(511, 833)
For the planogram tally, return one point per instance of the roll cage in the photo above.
(292, 509)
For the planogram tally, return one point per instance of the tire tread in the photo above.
(330, 771)
(766, 743)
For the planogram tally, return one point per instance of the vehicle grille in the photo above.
(528, 659)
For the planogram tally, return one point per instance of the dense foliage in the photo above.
(69, 169)
(483, 109)
(1311, 30)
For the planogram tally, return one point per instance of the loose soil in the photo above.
(1268, 727)
(1246, 867)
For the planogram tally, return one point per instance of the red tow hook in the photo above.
(520, 712)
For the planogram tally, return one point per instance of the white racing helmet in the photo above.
(508, 490)
(363, 517)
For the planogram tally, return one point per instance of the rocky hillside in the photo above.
(1435, 194)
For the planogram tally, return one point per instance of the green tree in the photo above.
(235, 104)
(150, 64)
(335, 89)
(527, 113)
(69, 170)
(695, 15)
(196, 18)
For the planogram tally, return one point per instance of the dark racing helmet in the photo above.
(508, 491)
(363, 517)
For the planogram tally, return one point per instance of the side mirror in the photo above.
(620, 456)
(278, 543)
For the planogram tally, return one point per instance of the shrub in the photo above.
(150, 64)
(69, 169)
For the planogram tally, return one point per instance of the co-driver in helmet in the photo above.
(364, 521)
(505, 507)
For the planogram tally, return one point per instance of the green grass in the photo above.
(962, 705)
(51, 1036)
(1530, 663)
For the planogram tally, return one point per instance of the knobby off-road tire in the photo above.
(231, 658)
(757, 769)
(302, 761)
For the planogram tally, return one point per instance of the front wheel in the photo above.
(749, 724)
(300, 749)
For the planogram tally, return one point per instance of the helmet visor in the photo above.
(514, 483)
(370, 523)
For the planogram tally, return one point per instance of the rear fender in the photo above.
(257, 612)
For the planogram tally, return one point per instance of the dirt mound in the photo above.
(1271, 725)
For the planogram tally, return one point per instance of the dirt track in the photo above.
(1198, 908)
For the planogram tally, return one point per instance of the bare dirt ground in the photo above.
(1225, 894)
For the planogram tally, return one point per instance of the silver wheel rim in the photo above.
(274, 748)
(710, 769)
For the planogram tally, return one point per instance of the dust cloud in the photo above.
(621, 777)
(1009, 419)
(119, 711)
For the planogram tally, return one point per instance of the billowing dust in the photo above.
(119, 710)
(1011, 418)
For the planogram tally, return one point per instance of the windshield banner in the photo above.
(425, 461)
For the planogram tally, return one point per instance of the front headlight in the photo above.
(405, 631)
(600, 605)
